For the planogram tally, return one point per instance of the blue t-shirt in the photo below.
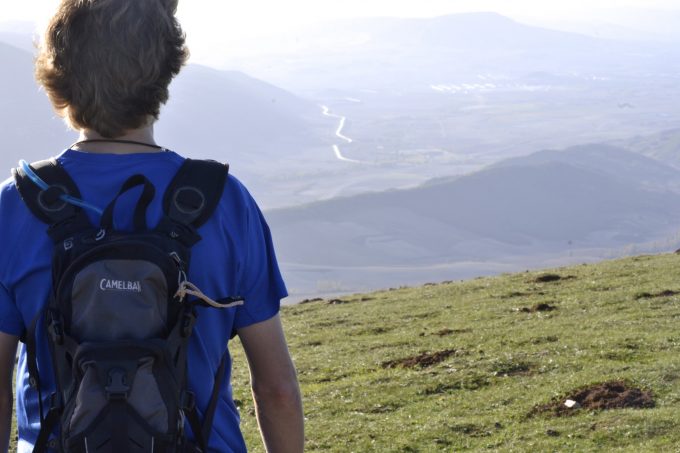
(235, 257)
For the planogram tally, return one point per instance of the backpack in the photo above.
(118, 320)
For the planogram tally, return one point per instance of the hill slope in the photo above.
(237, 115)
(482, 361)
(583, 202)
(663, 146)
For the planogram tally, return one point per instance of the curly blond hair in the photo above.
(106, 64)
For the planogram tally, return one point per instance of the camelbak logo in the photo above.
(119, 285)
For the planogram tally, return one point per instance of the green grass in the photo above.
(616, 320)
(506, 361)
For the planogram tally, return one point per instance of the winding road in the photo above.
(338, 133)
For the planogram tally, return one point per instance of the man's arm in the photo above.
(275, 387)
(8, 351)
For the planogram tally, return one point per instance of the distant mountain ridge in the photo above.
(481, 30)
(551, 201)
(663, 146)
(613, 161)
(443, 49)
(546, 204)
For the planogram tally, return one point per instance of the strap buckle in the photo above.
(117, 387)
(56, 402)
(55, 327)
(188, 321)
(188, 401)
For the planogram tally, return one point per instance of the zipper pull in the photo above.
(178, 261)
(181, 277)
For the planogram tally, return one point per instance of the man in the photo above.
(106, 66)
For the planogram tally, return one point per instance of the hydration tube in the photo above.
(64, 197)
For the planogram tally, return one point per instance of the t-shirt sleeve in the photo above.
(11, 321)
(261, 282)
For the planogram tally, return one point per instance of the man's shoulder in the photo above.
(18, 230)
(236, 197)
(10, 200)
(8, 184)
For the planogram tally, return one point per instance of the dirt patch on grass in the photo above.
(446, 332)
(424, 360)
(309, 301)
(511, 367)
(515, 294)
(541, 307)
(605, 396)
(664, 293)
(374, 330)
(543, 340)
(469, 429)
(549, 278)
(337, 302)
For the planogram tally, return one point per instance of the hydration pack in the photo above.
(118, 320)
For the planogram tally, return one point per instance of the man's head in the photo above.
(106, 64)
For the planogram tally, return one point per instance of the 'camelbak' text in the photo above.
(119, 285)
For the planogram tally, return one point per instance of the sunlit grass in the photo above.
(615, 320)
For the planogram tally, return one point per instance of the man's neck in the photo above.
(95, 143)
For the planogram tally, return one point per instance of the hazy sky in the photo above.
(231, 24)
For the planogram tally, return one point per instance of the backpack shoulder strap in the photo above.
(202, 431)
(44, 201)
(195, 192)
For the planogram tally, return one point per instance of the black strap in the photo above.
(46, 428)
(203, 430)
(196, 428)
(119, 431)
(145, 199)
(45, 204)
(195, 191)
(212, 406)
(32, 361)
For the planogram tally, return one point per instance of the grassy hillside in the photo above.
(487, 364)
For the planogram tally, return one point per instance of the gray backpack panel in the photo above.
(114, 299)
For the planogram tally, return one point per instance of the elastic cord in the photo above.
(125, 142)
(64, 197)
(186, 287)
